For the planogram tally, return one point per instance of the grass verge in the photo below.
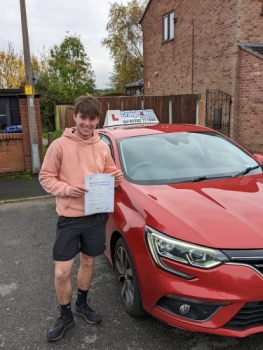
(16, 176)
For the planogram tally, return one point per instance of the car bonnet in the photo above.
(221, 214)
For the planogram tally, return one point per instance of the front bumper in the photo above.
(233, 292)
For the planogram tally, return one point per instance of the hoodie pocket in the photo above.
(66, 204)
(74, 203)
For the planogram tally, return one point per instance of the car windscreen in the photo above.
(183, 157)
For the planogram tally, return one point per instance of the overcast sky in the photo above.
(50, 20)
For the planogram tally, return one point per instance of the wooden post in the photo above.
(170, 112)
(35, 159)
(50, 137)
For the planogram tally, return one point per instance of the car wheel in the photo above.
(127, 280)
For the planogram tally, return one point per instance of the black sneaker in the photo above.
(85, 311)
(63, 322)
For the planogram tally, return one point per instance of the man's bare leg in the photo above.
(63, 284)
(85, 271)
(84, 280)
(63, 288)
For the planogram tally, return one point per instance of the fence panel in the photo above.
(131, 103)
(183, 108)
(160, 105)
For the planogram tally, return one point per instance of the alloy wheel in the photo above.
(125, 279)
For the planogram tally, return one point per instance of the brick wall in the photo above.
(15, 150)
(11, 153)
(250, 21)
(204, 53)
(251, 102)
(204, 35)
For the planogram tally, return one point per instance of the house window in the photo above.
(168, 26)
(2, 114)
(9, 112)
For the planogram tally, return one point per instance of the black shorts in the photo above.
(84, 234)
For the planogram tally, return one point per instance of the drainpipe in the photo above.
(193, 49)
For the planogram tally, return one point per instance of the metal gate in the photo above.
(218, 107)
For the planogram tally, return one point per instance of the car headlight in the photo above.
(186, 253)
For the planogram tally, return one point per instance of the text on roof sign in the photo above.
(117, 117)
(138, 114)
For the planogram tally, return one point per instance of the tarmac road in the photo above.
(28, 305)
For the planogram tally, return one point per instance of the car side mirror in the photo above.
(259, 157)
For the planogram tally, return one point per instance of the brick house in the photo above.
(214, 48)
(15, 148)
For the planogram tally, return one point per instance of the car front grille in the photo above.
(251, 315)
(252, 258)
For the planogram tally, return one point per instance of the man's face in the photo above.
(85, 125)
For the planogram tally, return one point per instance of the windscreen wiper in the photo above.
(202, 178)
(247, 170)
(196, 179)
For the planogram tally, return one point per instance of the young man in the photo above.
(78, 152)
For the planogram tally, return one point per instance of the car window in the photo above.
(108, 142)
(179, 157)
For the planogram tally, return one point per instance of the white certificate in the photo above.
(100, 198)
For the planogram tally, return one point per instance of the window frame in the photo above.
(168, 26)
(10, 114)
(108, 142)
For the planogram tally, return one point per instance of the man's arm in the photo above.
(48, 175)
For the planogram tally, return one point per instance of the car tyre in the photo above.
(127, 280)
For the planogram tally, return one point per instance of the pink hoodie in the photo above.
(67, 161)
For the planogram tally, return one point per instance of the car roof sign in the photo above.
(135, 117)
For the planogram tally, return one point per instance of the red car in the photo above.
(186, 235)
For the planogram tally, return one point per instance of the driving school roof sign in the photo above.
(117, 117)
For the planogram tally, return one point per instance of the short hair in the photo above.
(87, 105)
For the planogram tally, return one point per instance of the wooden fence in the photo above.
(168, 109)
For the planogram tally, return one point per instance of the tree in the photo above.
(40, 60)
(64, 73)
(125, 43)
(12, 70)
(70, 67)
(67, 75)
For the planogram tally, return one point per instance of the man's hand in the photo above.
(77, 191)
(118, 174)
